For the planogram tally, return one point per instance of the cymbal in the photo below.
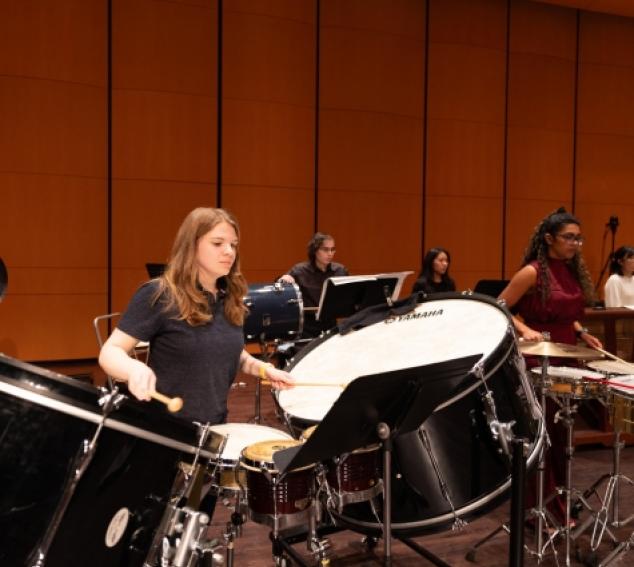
(559, 350)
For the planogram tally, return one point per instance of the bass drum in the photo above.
(276, 311)
(117, 507)
(452, 467)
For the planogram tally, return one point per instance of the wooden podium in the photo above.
(607, 318)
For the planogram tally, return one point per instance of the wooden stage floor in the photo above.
(253, 548)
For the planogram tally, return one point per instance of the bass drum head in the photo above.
(455, 446)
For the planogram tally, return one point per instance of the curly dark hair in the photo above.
(537, 250)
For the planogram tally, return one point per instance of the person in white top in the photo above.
(619, 289)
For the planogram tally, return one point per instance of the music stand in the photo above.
(493, 288)
(155, 270)
(4, 279)
(380, 407)
(342, 296)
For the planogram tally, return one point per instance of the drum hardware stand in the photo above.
(316, 545)
(600, 520)
(539, 511)
(266, 354)
(233, 529)
(109, 401)
(182, 540)
(161, 550)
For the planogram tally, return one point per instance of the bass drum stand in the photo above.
(539, 511)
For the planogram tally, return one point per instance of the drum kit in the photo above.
(145, 479)
(610, 383)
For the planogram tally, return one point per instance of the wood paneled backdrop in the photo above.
(396, 125)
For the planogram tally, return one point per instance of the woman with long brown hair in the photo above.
(192, 317)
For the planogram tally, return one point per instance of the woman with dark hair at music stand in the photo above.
(549, 293)
(434, 275)
(192, 317)
(310, 277)
(619, 289)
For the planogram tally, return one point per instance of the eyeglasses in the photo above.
(571, 237)
(326, 249)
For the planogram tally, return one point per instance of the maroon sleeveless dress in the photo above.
(564, 306)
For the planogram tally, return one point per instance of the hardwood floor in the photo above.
(253, 548)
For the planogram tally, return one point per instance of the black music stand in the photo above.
(344, 296)
(378, 408)
(4, 279)
(155, 270)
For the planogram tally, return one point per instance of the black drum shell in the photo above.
(276, 311)
(44, 420)
(471, 461)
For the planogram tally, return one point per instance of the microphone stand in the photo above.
(612, 225)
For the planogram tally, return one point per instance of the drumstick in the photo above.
(614, 357)
(173, 404)
(609, 382)
(315, 384)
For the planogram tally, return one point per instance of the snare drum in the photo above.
(229, 477)
(622, 398)
(573, 382)
(354, 477)
(276, 311)
(611, 367)
(278, 501)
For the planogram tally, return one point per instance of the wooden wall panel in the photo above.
(605, 147)
(494, 153)
(465, 156)
(541, 119)
(164, 129)
(53, 176)
(371, 132)
(466, 226)
(268, 130)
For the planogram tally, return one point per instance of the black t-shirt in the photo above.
(196, 363)
(421, 284)
(310, 280)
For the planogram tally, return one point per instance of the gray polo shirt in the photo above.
(196, 363)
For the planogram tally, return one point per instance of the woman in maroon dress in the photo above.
(549, 294)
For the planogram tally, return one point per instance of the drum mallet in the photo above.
(173, 404)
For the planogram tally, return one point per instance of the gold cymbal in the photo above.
(559, 350)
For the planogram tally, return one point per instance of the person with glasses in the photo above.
(549, 294)
(553, 286)
(434, 277)
(619, 289)
(310, 277)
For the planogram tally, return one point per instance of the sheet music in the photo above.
(343, 280)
